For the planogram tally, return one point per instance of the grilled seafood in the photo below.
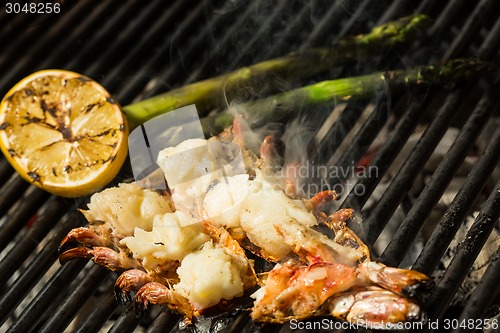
(373, 305)
(332, 279)
(185, 248)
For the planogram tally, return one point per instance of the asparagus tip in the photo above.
(403, 30)
(455, 70)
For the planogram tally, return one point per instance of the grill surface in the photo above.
(137, 49)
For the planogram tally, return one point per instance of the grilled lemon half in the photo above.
(63, 132)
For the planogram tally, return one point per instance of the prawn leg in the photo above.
(103, 256)
(157, 293)
(128, 282)
(80, 236)
(315, 204)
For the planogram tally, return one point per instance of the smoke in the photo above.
(288, 149)
(297, 137)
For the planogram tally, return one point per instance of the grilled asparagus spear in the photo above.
(352, 87)
(209, 93)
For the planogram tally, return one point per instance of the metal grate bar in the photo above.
(6, 35)
(447, 17)
(378, 9)
(364, 137)
(406, 175)
(490, 45)
(290, 37)
(396, 9)
(146, 42)
(13, 51)
(246, 49)
(361, 142)
(238, 323)
(52, 212)
(486, 291)
(282, 44)
(338, 132)
(268, 25)
(127, 322)
(165, 322)
(329, 23)
(351, 155)
(106, 31)
(193, 48)
(98, 13)
(391, 198)
(35, 311)
(291, 29)
(442, 176)
(468, 250)
(428, 6)
(307, 26)
(132, 88)
(6, 170)
(33, 199)
(55, 32)
(9, 194)
(356, 18)
(387, 153)
(457, 211)
(66, 311)
(473, 24)
(124, 37)
(102, 311)
(226, 41)
(34, 271)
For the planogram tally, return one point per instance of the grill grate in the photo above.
(137, 50)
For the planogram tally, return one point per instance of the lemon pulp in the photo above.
(63, 132)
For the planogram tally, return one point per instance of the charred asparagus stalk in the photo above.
(210, 93)
(353, 87)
